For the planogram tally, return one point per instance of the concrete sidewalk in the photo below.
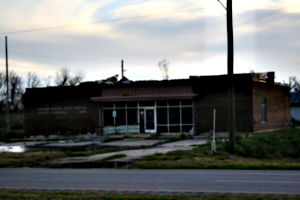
(135, 154)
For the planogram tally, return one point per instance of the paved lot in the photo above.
(131, 143)
(131, 155)
(136, 154)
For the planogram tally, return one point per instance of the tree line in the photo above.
(17, 85)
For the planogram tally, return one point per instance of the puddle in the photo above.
(58, 146)
(13, 149)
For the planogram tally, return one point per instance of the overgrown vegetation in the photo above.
(270, 150)
(272, 145)
(32, 159)
(18, 195)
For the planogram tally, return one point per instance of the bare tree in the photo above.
(64, 78)
(164, 68)
(2, 91)
(15, 89)
(294, 84)
(33, 80)
(47, 80)
(77, 78)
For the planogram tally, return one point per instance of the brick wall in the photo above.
(278, 110)
(203, 111)
(59, 110)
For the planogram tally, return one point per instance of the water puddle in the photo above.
(13, 149)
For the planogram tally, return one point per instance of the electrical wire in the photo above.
(42, 56)
(104, 21)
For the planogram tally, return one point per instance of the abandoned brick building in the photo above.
(167, 106)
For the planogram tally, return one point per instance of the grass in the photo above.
(18, 195)
(271, 145)
(272, 150)
(90, 153)
(110, 158)
(32, 159)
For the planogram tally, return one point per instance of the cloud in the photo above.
(195, 42)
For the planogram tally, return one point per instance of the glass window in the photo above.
(121, 117)
(174, 103)
(162, 129)
(186, 102)
(132, 104)
(174, 116)
(175, 128)
(264, 110)
(161, 103)
(146, 103)
(187, 115)
(162, 116)
(120, 104)
(132, 116)
(107, 117)
(108, 104)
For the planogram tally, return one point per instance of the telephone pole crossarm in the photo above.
(222, 4)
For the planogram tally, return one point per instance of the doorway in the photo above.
(148, 120)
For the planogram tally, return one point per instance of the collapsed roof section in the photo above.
(114, 80)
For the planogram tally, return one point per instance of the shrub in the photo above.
(269, 145)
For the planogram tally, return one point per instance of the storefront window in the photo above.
(162, 116)
(170, 115)
(162, 103)
(120, 104)
(121, 117)
(108, 104)
(174, 116)
(187, 115)
(147, 103)
(132, 104)
(174, 102)
(162, 129)
(186, 102)
(132, 116)
(175, 128)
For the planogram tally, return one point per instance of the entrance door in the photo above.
(150, 120)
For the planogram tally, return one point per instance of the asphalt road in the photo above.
(149, 181)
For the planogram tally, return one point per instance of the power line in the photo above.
(43, 56)
(104, 21)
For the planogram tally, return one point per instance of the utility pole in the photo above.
(230, 75)
(7, 90)
(230, 61)
(122, 68)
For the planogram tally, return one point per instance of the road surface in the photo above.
(153, 181)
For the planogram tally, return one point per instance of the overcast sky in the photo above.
(191, 34)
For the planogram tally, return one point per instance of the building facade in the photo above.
(168, 106)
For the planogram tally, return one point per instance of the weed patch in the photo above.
(29, 159)
(18, 195)
(272, 150)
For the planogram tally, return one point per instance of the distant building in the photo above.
(295, 105)
(168, 106)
